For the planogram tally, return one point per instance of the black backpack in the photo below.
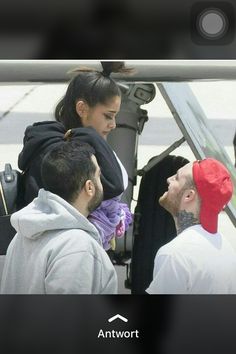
(10, 196)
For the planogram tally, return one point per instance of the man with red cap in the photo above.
(199, 260)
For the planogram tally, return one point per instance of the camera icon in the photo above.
(212, 23)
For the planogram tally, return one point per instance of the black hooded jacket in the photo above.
(42, 136)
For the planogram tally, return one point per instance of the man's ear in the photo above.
(89, 188)
(189, 195)
(82, 110)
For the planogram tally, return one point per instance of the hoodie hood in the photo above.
(49, 212)
(39, 137)
(42, 136)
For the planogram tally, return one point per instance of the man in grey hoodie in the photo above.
(56, 249)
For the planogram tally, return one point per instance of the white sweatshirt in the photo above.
(56, 251)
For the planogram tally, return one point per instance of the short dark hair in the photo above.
(66, 168)
(94, 87)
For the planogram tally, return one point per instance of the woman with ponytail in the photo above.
(88, 109)
(92, 97)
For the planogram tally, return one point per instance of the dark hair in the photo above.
(93, 87)
(66, 168)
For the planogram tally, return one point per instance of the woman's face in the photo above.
(102, 116)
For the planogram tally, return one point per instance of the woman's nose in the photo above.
(112, 124)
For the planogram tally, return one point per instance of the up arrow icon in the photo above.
(117, 316)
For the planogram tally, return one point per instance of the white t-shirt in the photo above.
(195, 262)
(124, 172)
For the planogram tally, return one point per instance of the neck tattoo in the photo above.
(184, 220)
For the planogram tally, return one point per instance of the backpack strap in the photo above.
(9, 179)
(3, 204)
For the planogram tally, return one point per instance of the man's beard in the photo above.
(170, 204)
(96, 200)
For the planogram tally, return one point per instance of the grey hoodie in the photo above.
(56, 251)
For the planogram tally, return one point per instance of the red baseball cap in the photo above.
(215, 188)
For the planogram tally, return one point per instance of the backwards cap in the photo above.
(215, 188)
